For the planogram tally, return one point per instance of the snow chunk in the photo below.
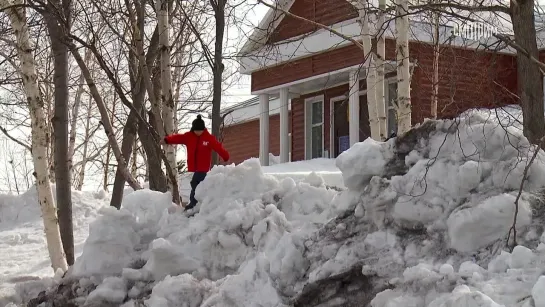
(469, 268)
(463, 296)
(172, 291)
(362, 161)
(112, 290)
(473, 228)
(110, 245)
(500, 263)
(422, 273)
(538, 292)
(521, 257)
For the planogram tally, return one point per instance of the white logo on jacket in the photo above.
(205, 143)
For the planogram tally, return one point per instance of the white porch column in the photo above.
(284, 126)
(264, 129)
(354, 107)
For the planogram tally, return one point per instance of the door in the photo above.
(365, 130)
(341, 130)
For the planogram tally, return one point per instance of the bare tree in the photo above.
(17, 15)
(163, 11)
(61, 12)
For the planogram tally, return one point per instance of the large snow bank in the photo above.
(453, 184)
(423, 223)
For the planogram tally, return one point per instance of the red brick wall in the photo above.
(242, 140)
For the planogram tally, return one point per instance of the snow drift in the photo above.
(423, 223)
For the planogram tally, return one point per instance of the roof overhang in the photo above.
(322, 40)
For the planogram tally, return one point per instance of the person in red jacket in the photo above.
(199, 143)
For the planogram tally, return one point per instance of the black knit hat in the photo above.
(197, 124)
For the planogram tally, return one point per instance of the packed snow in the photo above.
(423, 221)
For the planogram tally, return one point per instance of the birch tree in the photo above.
(17, 16)
(403, 107)
(168, 113)
(370, 67)
(380, 57)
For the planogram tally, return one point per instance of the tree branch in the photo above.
(6, 133)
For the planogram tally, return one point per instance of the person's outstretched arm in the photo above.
(174, 139)
(218, 147)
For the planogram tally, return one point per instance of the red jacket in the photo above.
(199, 149)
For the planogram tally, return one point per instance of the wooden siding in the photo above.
(320, 11)
(467, 79)
(242, 140)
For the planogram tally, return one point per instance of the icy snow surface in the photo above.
(423, 222)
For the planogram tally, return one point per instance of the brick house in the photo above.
(315, 77)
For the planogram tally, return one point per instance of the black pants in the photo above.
(198, 177)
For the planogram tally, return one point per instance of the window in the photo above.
(391, 95)
(315, 127)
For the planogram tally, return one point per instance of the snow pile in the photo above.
(423, 223)
(445, 194)
(247, 238)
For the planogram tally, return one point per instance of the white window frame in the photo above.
(308, 125)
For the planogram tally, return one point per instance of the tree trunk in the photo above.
(403, 72)
(134, 164)
(370, 68)
(166, 84)
(529, 76)
(157, 179)
(63, 163)
(17, 16)
(219, 14)
(435, 76)
(380, 56)
(81, 176)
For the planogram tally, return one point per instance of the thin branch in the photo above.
(6, 133)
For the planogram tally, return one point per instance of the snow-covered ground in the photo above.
(423, 221)
(23, 255)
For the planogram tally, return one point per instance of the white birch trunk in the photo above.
(380, 57)
(403, 72)
(370, 72)
(435, 77)
(17, 16)
(166, 83)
